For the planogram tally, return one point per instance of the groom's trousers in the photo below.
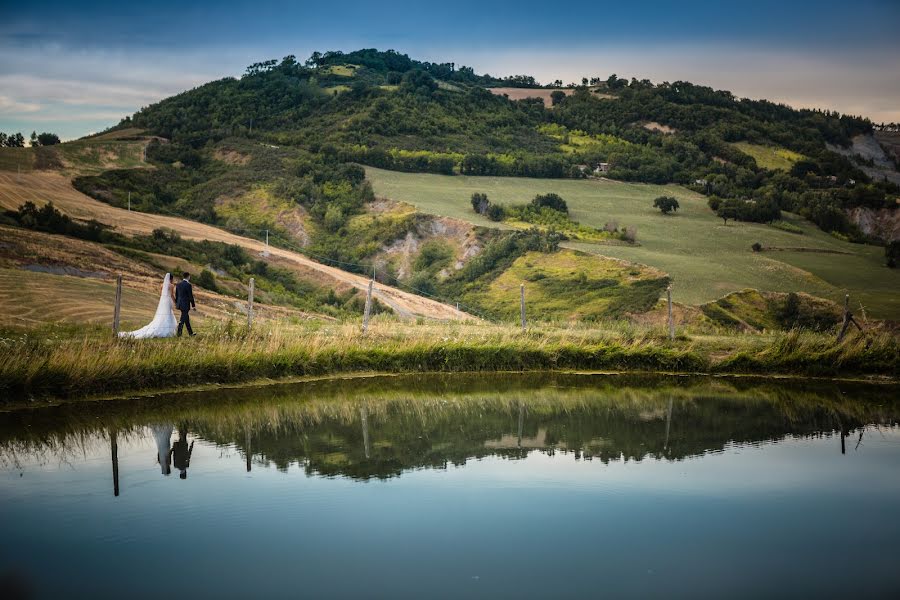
(185, 322)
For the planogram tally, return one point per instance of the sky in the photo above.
(78, 67)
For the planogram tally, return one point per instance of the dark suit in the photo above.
(184, 301)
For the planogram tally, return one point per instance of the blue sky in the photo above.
(73, 68)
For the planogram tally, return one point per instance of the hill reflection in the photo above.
(381, 427)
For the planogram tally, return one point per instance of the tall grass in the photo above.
(71, 363)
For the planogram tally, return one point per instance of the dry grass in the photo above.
(87, 361)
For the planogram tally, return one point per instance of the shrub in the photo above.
(495, 212)
(207, 281)
(480, 203)
(630, 234)
(552, 201)
(892, 253)
(757, 247)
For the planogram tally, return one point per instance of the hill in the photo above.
(279, 150)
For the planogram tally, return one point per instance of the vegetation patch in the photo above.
(751, 310)
(770, 157)
(573, 285)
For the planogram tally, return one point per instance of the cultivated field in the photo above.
(705, 259)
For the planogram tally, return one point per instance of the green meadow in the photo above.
(704, 258)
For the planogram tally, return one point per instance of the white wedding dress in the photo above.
(163, 323)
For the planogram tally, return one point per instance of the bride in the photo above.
(163, 323)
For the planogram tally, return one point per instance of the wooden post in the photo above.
(848, 319)
(117, 312)
(671, 321)
(522, 305)
(368, 309)
(250, 303)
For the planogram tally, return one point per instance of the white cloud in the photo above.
(8, 105)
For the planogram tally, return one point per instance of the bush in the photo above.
(207, 281)
(480, 203)
(552, 201)
(892, 253)
(757, 247)
(785, 226)
(714, 202)
(495, 212)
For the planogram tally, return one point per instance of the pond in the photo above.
(541, 485)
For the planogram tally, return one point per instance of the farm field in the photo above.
(705, 259)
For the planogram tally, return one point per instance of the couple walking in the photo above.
(181, 297)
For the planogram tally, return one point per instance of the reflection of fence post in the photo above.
(671, 322)
(368, 309)
(114, 451)
(250, 303)
(522, 305)
(364, 417)
(247, 454)
(117, 312)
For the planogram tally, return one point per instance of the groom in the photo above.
(184, 301)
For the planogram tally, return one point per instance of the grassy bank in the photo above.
(80, 362)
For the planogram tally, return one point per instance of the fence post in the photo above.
(250, 303)
(118, 309)
(522, 305)
(368, 309)
(848, 320)
(671, 321)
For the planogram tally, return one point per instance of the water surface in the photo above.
(476, 486)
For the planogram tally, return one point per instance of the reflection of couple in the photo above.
(179, 453)
(181, 296)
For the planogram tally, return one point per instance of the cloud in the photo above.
(8, 105)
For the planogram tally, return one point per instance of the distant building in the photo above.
(602, 168)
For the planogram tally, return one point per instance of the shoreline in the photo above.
(39, 368)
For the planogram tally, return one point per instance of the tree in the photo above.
(584, 81)
(34, 138)
(47, 139)
(556, 97)
(729, 209)
(666, 204)
(15, 140)
(480, 203)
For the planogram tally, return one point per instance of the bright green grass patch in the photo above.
(770, 157)
(572, 141)
(337, 89)
(581, 286)
(340, 70)
(786, 226)
(705, 259)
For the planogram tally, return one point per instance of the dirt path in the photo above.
(43, 186)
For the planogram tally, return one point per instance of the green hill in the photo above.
(280, 149)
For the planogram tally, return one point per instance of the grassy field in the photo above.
(704, 258)
(81, 157)
(81, 362)
(769, 157)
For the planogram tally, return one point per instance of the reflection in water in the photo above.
(413, 484)
(390, 426)
(163, 436)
